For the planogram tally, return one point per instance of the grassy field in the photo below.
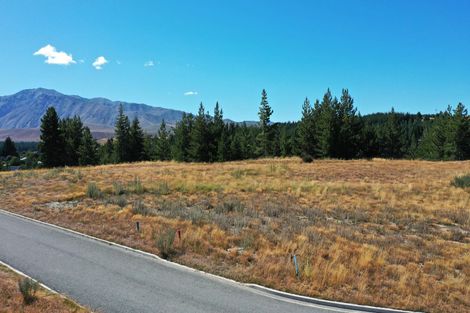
(380, 232)
(11, 300)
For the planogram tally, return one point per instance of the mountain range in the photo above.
(20, 113)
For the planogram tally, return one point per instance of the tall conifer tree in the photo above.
(88, 150)
(122, 137)
(51, 145)
(9, 148)
(136, 137)
(265, 136)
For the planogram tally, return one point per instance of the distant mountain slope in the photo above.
(24, 110)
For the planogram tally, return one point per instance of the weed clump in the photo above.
(118, 189)
(136, 186)
(121, 201)
(140, 208)
(164, 242)
(162, 189)
(93, 191)
(28, 289)
(461, 181)
(307, 158)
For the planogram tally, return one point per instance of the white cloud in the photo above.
(99, 62)
(190, 93)
(149, 64)
(55, 57)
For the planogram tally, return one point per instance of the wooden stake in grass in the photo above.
(137, 226)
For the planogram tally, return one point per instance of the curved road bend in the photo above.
(111, 279)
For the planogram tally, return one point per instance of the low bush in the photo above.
(162, 189)
(28, 289)
(136, 186)
(462, 181)
(93, 191)
(307, 158)
(118, 189)
(139, 208)
(121, 201)
(164, 242)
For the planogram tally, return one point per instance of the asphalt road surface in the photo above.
(111, 279)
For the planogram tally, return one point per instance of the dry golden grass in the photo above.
(380, 232)
(11, 300)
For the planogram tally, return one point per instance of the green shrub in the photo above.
(28, 289)
(139, 208)
(462, 181)
(136, 186)
(164, 242)
(237, 173)
(93, 191)
(230, 206)
(162, 189)
(121, 201)
(307, 158)
(118, 189)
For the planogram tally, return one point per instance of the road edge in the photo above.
(278, 293)
(49, 289)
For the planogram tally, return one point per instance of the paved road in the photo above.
(112, 279)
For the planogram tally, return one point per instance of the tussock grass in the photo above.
(359, 228)
(28, 289)
(462, 181)
(164, 241)
(93, 191)
(20, 294)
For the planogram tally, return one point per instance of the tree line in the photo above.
(329, 128)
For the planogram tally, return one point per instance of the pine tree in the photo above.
(285, 143)
(347, 127)
(51, 145)
(462, 133)
(163, 151)
(323, 114)
(218, 138)
(136, 137)
(438, 138)
(224, 144)
(9, 148)
(182, 133)
(88, 150)
(236, 147)
(72, 131)
(106, 152)
(392, 137)
(199, 149)
(306, 130)
(369, 142)
(265, 136)
(122, 137)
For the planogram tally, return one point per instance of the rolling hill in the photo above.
(20, 113)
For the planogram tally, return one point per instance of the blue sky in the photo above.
(413, 55)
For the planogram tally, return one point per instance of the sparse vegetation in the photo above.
(462, 181)
(136, 186)
(93, 191)
(307, 158)
(118, 189)
(20, 294)
(28, 289)
(139, 208)
(164, 242)
(359, 229)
